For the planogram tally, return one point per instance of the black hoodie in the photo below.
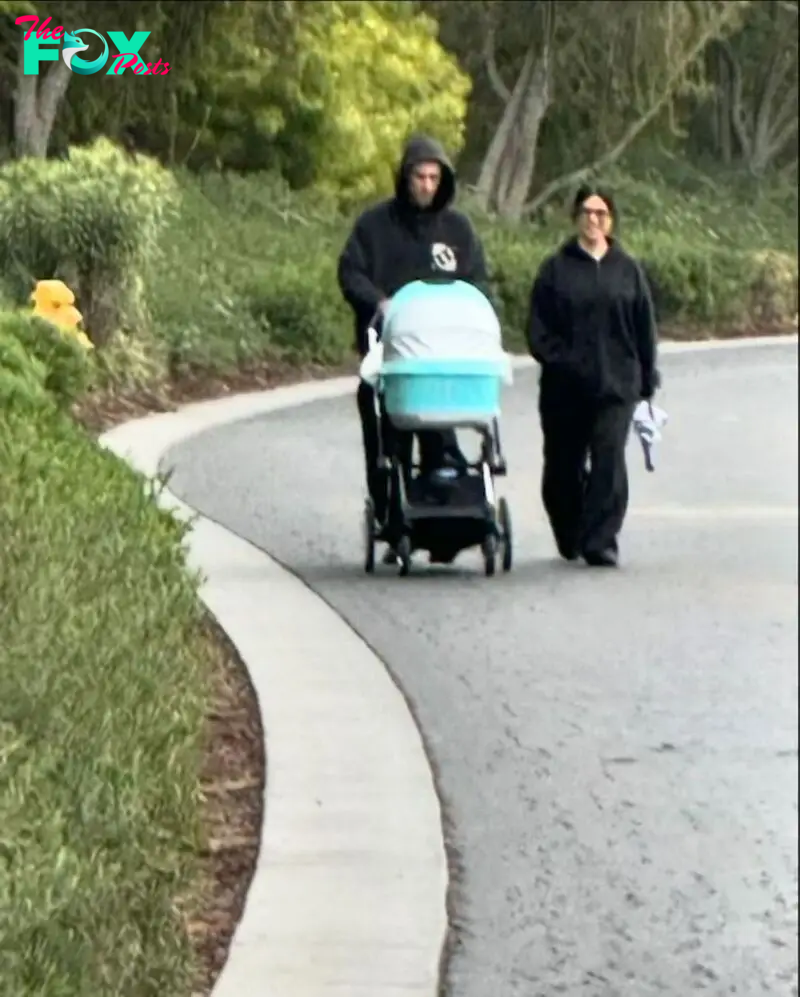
(395, 242)
(591, 324)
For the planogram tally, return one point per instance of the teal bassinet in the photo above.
(443, 359)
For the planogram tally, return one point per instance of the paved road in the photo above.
(617, 752)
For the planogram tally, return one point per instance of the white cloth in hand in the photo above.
(370, 368)
(648, 421)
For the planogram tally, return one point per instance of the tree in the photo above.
(322, 93)
(612, 67)
(756, 76)
(687, 28)
(38, 100)
(370, 75)
(34, 100)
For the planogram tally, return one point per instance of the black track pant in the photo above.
(434, 446)
(586, 509)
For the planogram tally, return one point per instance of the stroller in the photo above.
(439, 365)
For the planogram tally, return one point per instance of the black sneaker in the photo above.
(569, 553)
(607, 558)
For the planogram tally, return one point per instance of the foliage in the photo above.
(22, 377)
(261, 263)
(66, 367)
(564, 89)
(751, 115)
(237, 244)
(372, 82)
(92, 219)
(258, 84)
(322, 92)
(704, 286)
(102, 692)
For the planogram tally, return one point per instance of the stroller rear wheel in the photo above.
(506, 535)
(369, 537)
(403, 551)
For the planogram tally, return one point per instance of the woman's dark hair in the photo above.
(584, 192)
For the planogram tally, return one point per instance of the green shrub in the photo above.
(719, 288)
(22, 377)
(772, 286)
(197, 312)
(234, 272)
(103, 683)
(301, 310)
(130, 362)
(249, 268)
(92, 220)
(512, 264)
(67, 365)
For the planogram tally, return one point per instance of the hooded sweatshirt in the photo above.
(396, 242)
(591, 324)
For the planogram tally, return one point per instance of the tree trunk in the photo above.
(723, 109)
(486, 187)
(534, 108)
(762, 136)
(37, 101)
(633, 131)
(508, 166)
(773, 129)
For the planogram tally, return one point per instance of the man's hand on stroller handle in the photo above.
(376, 322)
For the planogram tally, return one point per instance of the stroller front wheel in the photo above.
(489, 550)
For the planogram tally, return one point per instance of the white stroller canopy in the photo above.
(441, 319)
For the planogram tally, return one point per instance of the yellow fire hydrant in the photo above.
(53, 300)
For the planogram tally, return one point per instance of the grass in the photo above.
(103, 686)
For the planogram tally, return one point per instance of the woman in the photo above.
(592, 330)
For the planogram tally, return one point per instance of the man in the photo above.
(413, 235)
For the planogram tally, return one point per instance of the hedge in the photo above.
(264, 286)
(216, 273)
(53, 364)
(103, 686)
(93, 220)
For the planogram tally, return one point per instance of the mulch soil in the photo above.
(101, 411)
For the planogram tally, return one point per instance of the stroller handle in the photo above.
(375, 328)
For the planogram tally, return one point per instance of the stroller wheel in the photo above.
(489, 551)
(369, 538)
(506, 535)
(403, 552)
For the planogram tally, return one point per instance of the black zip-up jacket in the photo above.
(592, 325)
(394, 242)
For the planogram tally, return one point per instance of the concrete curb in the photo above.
(349, 895)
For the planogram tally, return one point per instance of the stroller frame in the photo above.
(413, 523)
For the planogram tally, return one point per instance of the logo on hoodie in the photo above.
(444, 257)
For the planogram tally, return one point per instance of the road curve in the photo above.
(616, 751)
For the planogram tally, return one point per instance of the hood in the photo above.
(423, 149)
(572, 247)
